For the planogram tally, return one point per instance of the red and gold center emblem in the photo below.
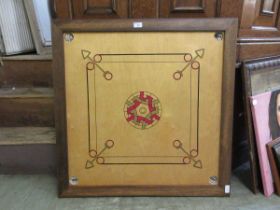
(142, 110)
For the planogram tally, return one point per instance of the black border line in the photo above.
(139, 54)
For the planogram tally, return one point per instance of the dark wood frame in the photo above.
(274, 169)
(226, 25)
(248, 67)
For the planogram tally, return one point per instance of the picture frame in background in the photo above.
(15, 32)
(273, 155)
(261, 106)
(276, 153)
(123, 127)
(39, 17)
(258, 76)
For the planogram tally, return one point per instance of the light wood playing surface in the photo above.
(181, 145)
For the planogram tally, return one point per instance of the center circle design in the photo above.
(142, 110)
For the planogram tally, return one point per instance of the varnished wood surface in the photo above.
(253, 158)
(143, 9)
(258, 50)
(229, 8)
(184, 25)
(188, 9)
(60, 110)
(117, 25)
(254, 22)
(99, 9)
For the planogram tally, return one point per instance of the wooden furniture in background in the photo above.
(27, 143)
(258, 20)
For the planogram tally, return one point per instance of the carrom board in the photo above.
(144, 107)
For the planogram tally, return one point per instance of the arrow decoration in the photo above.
(190, 62)
(200, 53)
(190, 157)
(94, 62)
(96, 157)
(86, 54)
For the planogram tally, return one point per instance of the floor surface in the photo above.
(39, 192)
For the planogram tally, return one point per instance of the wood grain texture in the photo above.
(254, 50)
(62, 9)
(253, 21)
(179, 8)
(228, 26)
(253, 158)
(60, 110)
(26, 135)
(256, 23)
(229, 8)
(26, 107)
(116, 25)
(26, 72)
(227, 101)
(143, 9)
(100, 9)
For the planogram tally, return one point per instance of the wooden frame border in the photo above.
(247, 67)
(226, 25)
(274, 169)
(35, 30)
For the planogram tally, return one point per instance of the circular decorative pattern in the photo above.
(177, 75)
(194, 153)
(187, 160)
(142, 110)
(90, 66)
(195, 65)
(188, 57)
(92, 153)
(177, 143)
(97, 58)
(100, 160)
(109, 144)
(108, 75)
